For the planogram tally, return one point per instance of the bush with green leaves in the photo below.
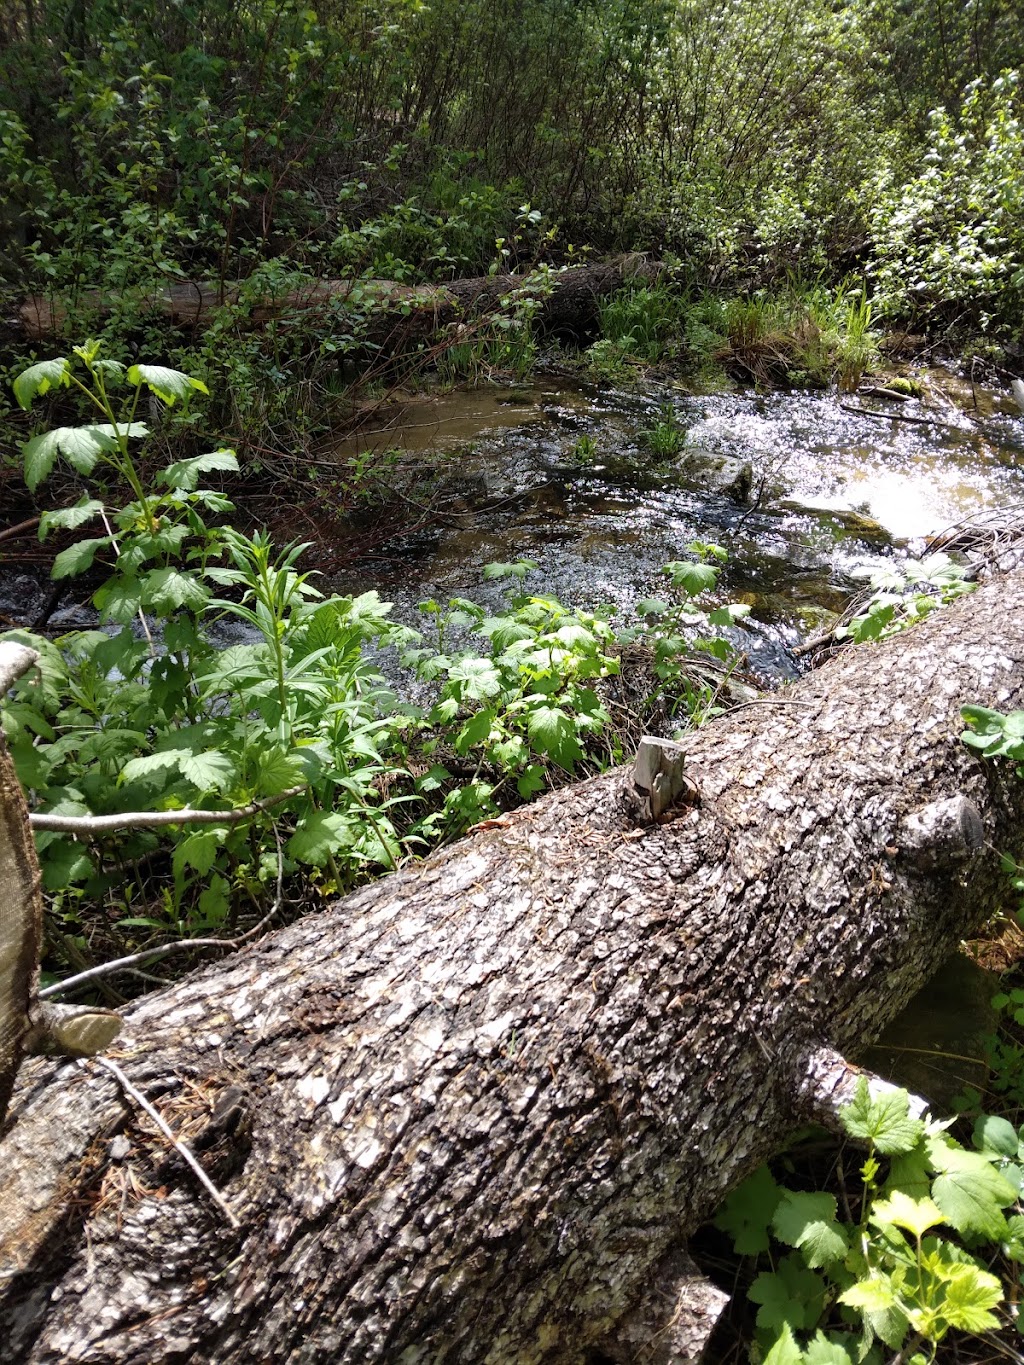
(682, 634)
(948, 242)
(149, 714)
(910, 1259)
(523, 709)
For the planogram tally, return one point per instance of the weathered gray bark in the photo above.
(470, 1113)
(567, 300)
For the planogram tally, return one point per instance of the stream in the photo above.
(801, 490)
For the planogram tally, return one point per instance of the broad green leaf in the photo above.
(65, 863)
(517, 570)
(210, 771)
(119, 598)
(820, 1350)
(808, 1221)
(168, 385)
(445, 711)
(873, 1295)
(969, 1191)
(167, 589)
(214, 902)
(552, 732)
(198, 851)
(916, 1215)
(747, 1212)
(784, 1349)
(693, 579)
(1013, 1243)
(185, 473)
(995, 1134)
(475, 731)
(531, 781)
(510, 753)
(40, 378)
(110, 743)
(884, 1120)
(151, 765)
(475, 679)
(968, 1295)
(278, 771)
(80, 446)
(78, 558)
(70, 517)
(728, 616)
(911, 1173)
(504, 631)
(321, 834)
(793, 1295)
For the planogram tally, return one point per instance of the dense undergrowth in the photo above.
(813, 178)
(260, 148)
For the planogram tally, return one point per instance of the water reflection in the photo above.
(832, 489)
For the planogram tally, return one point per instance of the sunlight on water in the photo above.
(832, 490)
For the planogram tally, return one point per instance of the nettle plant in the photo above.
(680, 632)
(908, 1263)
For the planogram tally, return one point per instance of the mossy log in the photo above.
(566, 302)
(470, 1113)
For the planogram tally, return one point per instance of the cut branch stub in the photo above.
(659, 779)
(944, 831)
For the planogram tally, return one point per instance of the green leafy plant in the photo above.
(666, 436)
(681, 633)
(909, 1263)
(523, 708)
(115, 722)
(905, 594)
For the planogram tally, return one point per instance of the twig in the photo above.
(86, 825)
(903, 417)
(165, 949)
(13, 532)
(178, 1145)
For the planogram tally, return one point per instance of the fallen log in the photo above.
(470, 1113)
(566, 301)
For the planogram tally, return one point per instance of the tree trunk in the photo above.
(566, 301)
(469, 1113)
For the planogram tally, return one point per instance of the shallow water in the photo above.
(833, 491)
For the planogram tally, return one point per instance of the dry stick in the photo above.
(165, 949)
(85, 825)
(176, 1143)
(12, 532)
(904, 417)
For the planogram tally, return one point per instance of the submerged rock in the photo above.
(725, 474)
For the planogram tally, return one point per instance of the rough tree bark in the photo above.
(567, 301)
(470, 1113)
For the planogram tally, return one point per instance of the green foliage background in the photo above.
(400, 139)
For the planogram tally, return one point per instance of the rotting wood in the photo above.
(470, 1113)
(566, 300)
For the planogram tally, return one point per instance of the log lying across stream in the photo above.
(566, 301)
(471, 1112)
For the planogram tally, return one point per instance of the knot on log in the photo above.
(944, 831)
